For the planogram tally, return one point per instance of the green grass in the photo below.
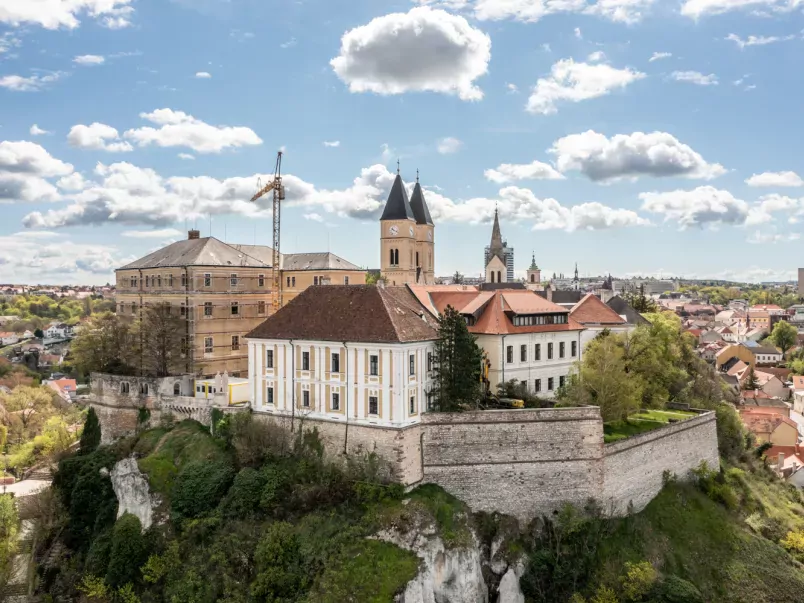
(641, 422)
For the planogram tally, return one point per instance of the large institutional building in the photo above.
(222, 292)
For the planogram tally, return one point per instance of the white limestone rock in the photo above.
(509, 590)
(132, 492)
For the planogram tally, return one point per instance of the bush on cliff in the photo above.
(128, 551)
(199, 487)
(91, 435)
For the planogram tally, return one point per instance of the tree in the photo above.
(103, 345)
(91, 435)
(39, 333)
(751, 382)
(30, 407)
(784, 336)
(129, 551)
(372, 278)
(640, 302)
(158, 336)
(604, 382)
(457, 278)
(456, 363)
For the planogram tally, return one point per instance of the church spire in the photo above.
(496, 247)
(533, 265)
(576, 271)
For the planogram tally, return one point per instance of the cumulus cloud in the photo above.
(695, 77)
(658, 56)
(314, 217)
(178, 129)
(73, 182)
(423, 50)
(512, 88)
(449, 145)
(657, 154)
(775, 179)
(757, 40)
(509, 172)
(529, 11)
(186, 156)
(55, 14)
(203, 75)
(37, 131)
(598, 55)
(701, 206)
(161, 233)
(98, 137)
(89, 59)
(701, 8)
(25, 168)
(333, 144)
(765, 238)
(574, 82)
(34, 83)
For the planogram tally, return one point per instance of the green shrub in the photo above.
(673, 589)
(281, 568)
(276, 486)
(199, 487)
(730, 432)
(243, 499)
(638, 580)
(128, 552)
(97, 562)
(91, 435)
(604, 595)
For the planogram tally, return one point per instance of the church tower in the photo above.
(496, 270)
(398, 237)
(534, 277)
(424, 255)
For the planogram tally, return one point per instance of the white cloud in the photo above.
(8, 41)
(596, 56)
(333, 144)
(578, 33)
(54, 14)
(98, 137)
(314, 217)
(701, 206)
(203, 75)
(34, 83)
(179, 129)
(442, 53)
(25, 168)
(623, 11)
(658, 56)
(757, 40)
(73, 182)
(89, 59)
(37, 131)
(449, 145)
(186, 156)
(764, 238)
(512, 88)
(695, 77)
(775, 179)
(657, 154)
(701, 8)
(509, 172)
(161, 233)
(387, 152)
(574, 82)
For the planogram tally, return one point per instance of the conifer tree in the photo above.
(457, 364)
(751, 382)
(91, 436)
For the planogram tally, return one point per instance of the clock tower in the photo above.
(398, 238)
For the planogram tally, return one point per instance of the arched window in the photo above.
(392, 257)
(396, 257)
(492, 276)
(124, 387)
(417, 259)
(499, 278)
(532, 278)
(144, 389)
(177, 389)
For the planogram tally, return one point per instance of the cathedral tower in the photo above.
(496, 270)
(398, 237)
(424, 258)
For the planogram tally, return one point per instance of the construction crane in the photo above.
(278, 189)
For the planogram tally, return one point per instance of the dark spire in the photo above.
(397, 167)
(419, 205)
(496, 247)
(533, 265)
(576, 271)
(398, 206)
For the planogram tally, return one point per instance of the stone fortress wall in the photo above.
(523, 463)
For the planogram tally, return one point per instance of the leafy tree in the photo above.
(751, 382)
(157, 338)
(730, 432)
(281, 567)
(200, 486)
(784, 336)
(129, 552)
(91, 435)
(102, 345)
(457, 278)
(640, 302)
(30, 408)
(39, 333)
(9, 524)
(456, 363)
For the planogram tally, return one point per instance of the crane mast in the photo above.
(278, 190)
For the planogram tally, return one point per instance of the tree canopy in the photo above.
(784, 336)
(456, 363)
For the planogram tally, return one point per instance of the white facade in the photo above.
(374, 384)
(591, 331)
(518, 357)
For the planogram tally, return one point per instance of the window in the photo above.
(235, 309)
(293, 281)
(233, 280)
(207, 280)
(336, 401)
(269, 395)
(183, 280)
(412, 407)
(374, 406)
(134, 281)
(235, 342)
(537, 385)
(345, 280)
(124, 387)
(550, 384)
(177, 389)
(184, 347)
(574, 349)
(159, 280)
(133, 308)
(509, 354)
(305, 361)
(561, 381)
(523, 353)
(269, 359)
(417, 259)
(144, 389)
(561, 349)
(429, 361)
(261, 280)
(170, 281)
(315, 280)
(147, 281)
(207, 308)
(208, 346)
(537, 352)
(306, 398)
(374, 365)
(261, 307)
(411, 364)
(336, 363)
(550, 352)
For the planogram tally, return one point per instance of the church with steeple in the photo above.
(407, 237)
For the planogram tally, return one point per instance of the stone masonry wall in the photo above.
(633, 468)
(519, 462)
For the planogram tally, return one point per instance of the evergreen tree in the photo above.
(751, 382)
(91, 436)
(457, 364)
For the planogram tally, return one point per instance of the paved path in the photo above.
(26, 487)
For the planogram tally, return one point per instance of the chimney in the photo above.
(193, 234)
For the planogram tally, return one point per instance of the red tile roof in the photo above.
(765, 421)
(591, 310)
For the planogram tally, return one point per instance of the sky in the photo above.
(634, 137)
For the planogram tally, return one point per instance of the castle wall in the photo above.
(633, 468)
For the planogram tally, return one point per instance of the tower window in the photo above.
(499, 278)
(417, 259)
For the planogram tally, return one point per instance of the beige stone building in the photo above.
(223, 291)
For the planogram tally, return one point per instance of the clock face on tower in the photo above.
(394, 230)
(429, 235)
(411, 231)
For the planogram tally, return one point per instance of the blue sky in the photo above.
(631, 136)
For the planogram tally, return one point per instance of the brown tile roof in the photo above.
(495, 321)
(359, 313)
(591, 310)
(759, 421)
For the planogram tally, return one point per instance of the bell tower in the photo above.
(424, 259)
(398, 237)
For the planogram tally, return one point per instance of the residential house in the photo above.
(65, 388)
(759, 316)
(738, 351)
(764, 354)
(58, 331)
(709, 351)
(709, 336)
(358, 355)
(727, 333)
(756, 399)
(755, 335)
(596, 317)
(626, 311)
(770, 427)
(768, 383)
(8, 338)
